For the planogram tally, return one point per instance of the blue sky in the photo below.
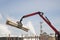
(17, 8)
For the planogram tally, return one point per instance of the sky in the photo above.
(15, 9)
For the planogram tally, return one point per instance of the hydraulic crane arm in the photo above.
(44, 18)
(29, 15)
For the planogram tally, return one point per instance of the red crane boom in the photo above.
(44, 18)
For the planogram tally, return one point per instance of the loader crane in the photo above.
(41, 14)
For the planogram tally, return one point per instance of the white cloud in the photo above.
(31, 28)
(4, 31)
